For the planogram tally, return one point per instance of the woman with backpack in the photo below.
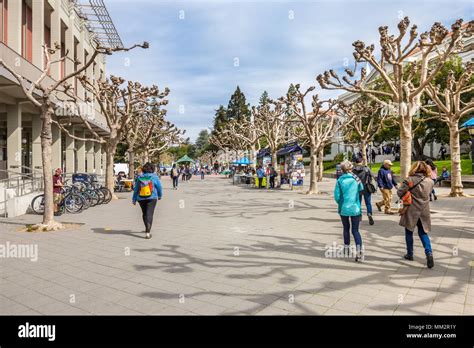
(415, 193)
(347, 195)
(365, 175)
(147, 192)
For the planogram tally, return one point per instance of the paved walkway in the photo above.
(223, 249)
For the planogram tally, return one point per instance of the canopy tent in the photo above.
(289, 148)
(184, 159)
(468, 124)
(243, 162)
(264, 153)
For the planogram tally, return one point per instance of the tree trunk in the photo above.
(48, 224)
(456, 178)
(406, 138)
(363, 146)
(320, 163)
(109, 167)
(313, 180)
(277, 168)
(131, 164)
(253, 157)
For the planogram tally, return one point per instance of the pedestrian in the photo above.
(175, 176)
(386, 182)
(347, 196)
(374, 155)
(365, 175)
(433, 176)
(442, 151)
(338, 171)
(202, 173)
(273, 174)
(416, 212)
(260, 176)
(147, 191)
(57, 190)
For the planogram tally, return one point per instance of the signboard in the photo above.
(267, 161)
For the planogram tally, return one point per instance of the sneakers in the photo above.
(359, 257)
(371, 220)
(429, 261)
(408, 257)
(379, 206)
(148, 235)
(435, 197)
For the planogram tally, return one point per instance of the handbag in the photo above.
(407, 197)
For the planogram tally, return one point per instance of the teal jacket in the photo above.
(347, 195)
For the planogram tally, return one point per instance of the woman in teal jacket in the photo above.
(347, 196)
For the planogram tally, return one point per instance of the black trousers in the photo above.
(272, 182)
(175, 181)
(148, 209)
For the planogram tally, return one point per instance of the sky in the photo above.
(203, 49)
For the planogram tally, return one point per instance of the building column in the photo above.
(90, 156)
(98, 158)
(37, 160)
(104, 159)
(38, 32)
(69, 40)
(14, 138)
(70, 157)
(80, 151)
(14, 25)
(56, 150)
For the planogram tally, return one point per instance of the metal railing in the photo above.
(21, 185)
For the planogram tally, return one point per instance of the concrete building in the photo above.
(25, 26)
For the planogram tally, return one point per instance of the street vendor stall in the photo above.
(290, 159)
(239, 177)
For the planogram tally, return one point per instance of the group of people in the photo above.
(415, 193)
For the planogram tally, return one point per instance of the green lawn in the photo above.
(466, 166)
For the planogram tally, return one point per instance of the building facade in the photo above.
(25, 27)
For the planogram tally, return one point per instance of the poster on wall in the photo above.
(267, 161)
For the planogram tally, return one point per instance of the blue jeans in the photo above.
(425, 239)
(175, 181)
(354, 221)
(368, 201)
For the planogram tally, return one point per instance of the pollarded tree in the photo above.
(46, 95)
(365, 118)
(319, 124)
(424, 58)
(453, 97)
(268, 122)
(165, 135)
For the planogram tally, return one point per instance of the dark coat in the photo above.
(364, 174)
(385, 178)
(420, 208)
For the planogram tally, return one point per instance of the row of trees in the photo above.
(133, 114)
(417, 83)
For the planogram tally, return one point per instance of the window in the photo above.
(27, 33)
(4, 21)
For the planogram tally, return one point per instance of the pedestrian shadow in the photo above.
(131, 233)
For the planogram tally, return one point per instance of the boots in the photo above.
(429, 261)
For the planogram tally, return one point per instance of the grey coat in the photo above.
(420, 208)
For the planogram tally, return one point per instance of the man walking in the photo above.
(365, 175)
(260, 175)
(273, 174)
(386, 183)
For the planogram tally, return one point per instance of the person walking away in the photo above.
(434, 177)
(147, 191)
(202, 173)
(386, 182)
(260, 176)
(442, 152)
(183, 173)
(175, 176)
(57, 188)
(374, 155)
(273, 175)
(365, 176)
(415, 192)
(347, 195)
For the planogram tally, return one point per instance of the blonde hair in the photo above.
(421, 168)
(346, 166)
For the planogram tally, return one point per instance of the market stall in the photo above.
(290, 160)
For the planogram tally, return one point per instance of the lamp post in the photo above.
(469, 125)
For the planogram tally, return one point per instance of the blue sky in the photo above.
(275, 42)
